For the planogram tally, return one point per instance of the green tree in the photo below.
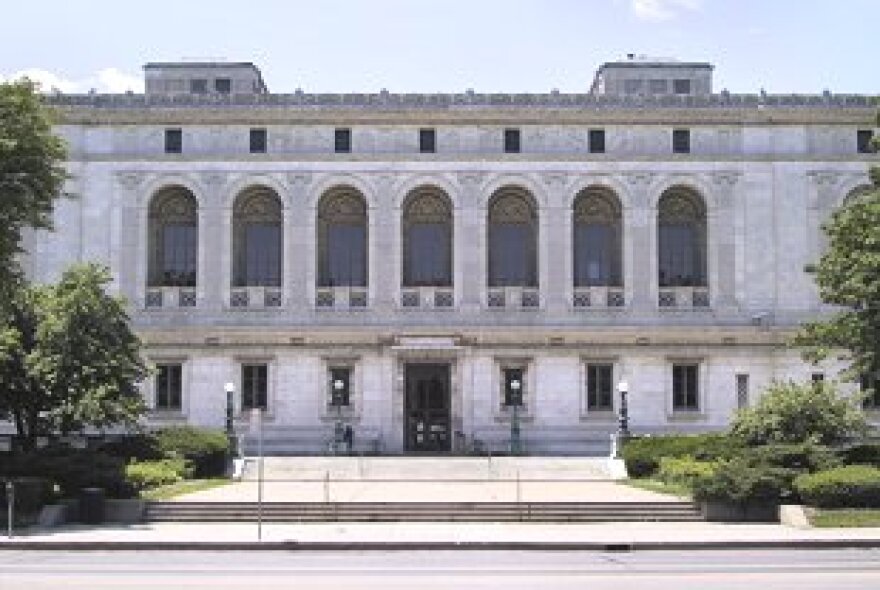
(68, 358)
(795, 413)
(848, 275)
(32, 173)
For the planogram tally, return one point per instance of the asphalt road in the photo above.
(716, 570)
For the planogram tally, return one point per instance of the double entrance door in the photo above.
(427, 427)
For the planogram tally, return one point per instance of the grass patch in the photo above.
(655, 485)
(186, 486)
(845, 517)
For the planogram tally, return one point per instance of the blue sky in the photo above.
(446, 45)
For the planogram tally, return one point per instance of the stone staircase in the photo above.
(281, 512)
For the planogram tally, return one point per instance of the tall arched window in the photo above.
(682, 239)
(342, 239)
(257, 238)
(597, 239)
(513, 239)
(427, 239)
(173, 238)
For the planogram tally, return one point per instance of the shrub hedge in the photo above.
(862, 454)
(642, 455)
(853, 486)
(739, 482)
(684, 471)
(73, 469)
(151, 474)
(204, 449)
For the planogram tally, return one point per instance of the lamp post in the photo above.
(516, 400)
(623, 420)
(336, 401)
(229, 388)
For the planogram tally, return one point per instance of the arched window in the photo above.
(513, 239)
(342, 239)
(257, 238)
(597, 239)
(682, 239)
(427, 239)
(173, 238)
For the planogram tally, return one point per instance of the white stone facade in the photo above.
(768, 171)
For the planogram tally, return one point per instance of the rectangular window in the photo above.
(817, 377)
(169, 387)
(681, 86)
(173, 141)
(340, 386)
(863, 141)
(511, 141)
(632, 86)
(870, 388)
(427, 141)
(198, 86)
(597, 141)
(599, 387)
(742, 391)
(258, 141)
(685, 388)
(681, 141)
(342, 140)
(254, 387)
(223, 85)
(658, 86)
(513, 386)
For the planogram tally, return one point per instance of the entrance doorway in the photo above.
(427, 427)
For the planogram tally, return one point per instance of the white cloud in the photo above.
(109, 80)
(658, 10)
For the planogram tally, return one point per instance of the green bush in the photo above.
(738, 482)
(142, 446)
(862, 454)
(74, 469)
(853, 486)
(151, 474)
(31, 493)
(205, 449)
(684, 471)
(802, 457)
(642, 455)
(794, 413)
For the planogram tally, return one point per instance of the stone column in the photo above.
(382, 246)
(639, 247)
(215, 237)
(299, 243)
(721, 245)
(470, 242)
(553, 244)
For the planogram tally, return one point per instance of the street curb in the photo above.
(436, 545)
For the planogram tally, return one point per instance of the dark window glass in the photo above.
(681, 86)
(173, 141)
(599, 387)
(658, 86)
(685, 387)
(427, 141)
(179, 251)
(863, 141)
(596, 255)
(513, 387)
(346, 256)
(223, 85)
(168, 387)
(680, 256)
(199, 86)
(512, 255)
(870, 388)
(597, 141)
(340, 386)
(427, 260)
(258, 141)
(511, 141)
(742, 391)
(632, 86)
(254, 387)
(817, 377)
(342, 140)
(681, 141)
(261, 256)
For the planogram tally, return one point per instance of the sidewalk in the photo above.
(415, 536)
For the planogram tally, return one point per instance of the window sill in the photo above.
(686, 416)
(167, 415)
(599, 416)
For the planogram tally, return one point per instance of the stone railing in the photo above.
(683, 298)
(341, 298)
(513, 298)
(170, 297)
(427, 298)
(255, 297)
(598, 297)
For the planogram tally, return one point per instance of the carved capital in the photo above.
(554, 179)
(471, 179)
(130, 180)
(214, 180)
(299, 179)
(639, 179)
(725, 178)
(825, 178)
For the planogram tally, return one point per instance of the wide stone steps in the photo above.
(423, 512)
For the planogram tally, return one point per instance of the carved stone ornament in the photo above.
(471, 178)
(174, 205)
(214, 180)
(343, 205)
(594, 205)
(639, 178)
(554, 178)
(299, 179)
(725, 177)
(679, 206)
(511, 206)
(427, 206)
(825, 178)
(258, 205)
(130, 180)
